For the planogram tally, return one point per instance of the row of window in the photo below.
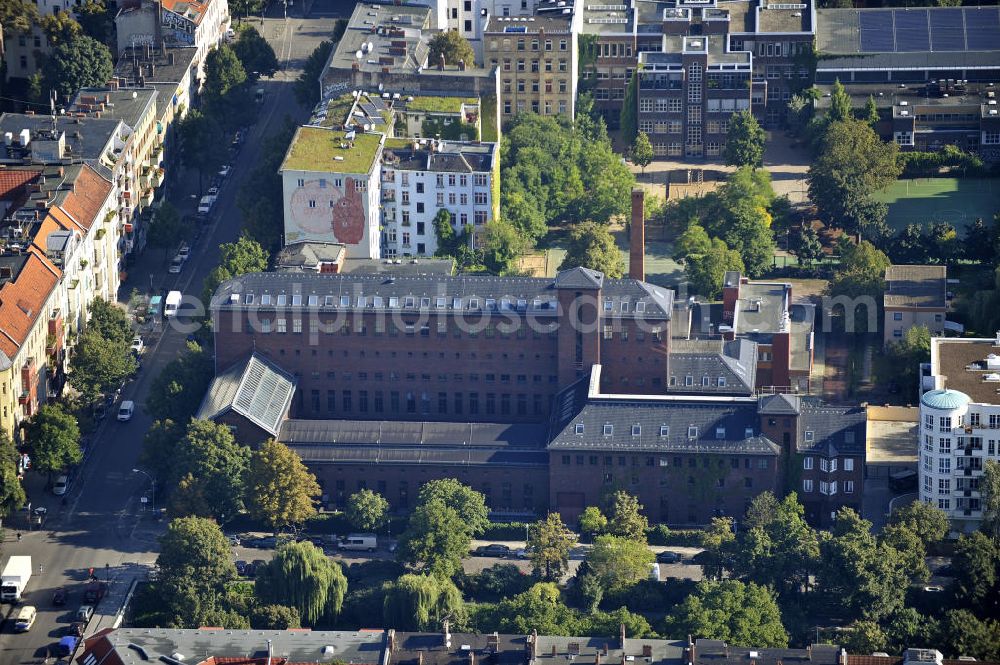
(489, 331)
(544, 109)
(664, 431)
(604, 94)
(945, 423)
(676, 461)
(522, 44)
(474, 377)
(534, 66)
(458, 404)
(827, 488)
(829, 465)
(521, 86)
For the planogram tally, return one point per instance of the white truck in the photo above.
(14, 578)
(171, 304)
(359, 541)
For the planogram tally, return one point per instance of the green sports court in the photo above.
(958, 201)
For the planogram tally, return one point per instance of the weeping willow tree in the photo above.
(421, 602)
(301, 576)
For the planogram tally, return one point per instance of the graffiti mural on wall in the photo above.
(177, 30)
(320, 211)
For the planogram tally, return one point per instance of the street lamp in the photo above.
(152, 488)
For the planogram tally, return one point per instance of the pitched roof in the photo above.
(734, 362)
(916, 286)
(624, 423)
(836, 430)
(579, 278)
(90, 191)
(781, 404)
(257, 389)
(459, 293)
(13, 182)
(22, 300)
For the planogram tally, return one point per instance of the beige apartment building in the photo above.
(914, 296)
(536, 63)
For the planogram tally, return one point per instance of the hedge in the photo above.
(505, 531)
(659, 534)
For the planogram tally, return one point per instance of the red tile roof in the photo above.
(22, 300)
(89, 193)
(13, 181)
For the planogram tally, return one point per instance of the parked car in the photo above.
(177, 265)
(25, 619)
(59, 597)
(184, 250)
(934, 589)
(61, 485)
(241, 567)
(224, 171)
(213, 190)
(94, 592)
(75, 629)
(521, 553)
(67, 645)
(668, 557)
(494, 550)
(84, 613)
(234, 540)
(125, 411)
(137, 346)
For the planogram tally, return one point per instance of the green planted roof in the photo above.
(439, 104)
(318, 149)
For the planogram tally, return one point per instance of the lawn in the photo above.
(958, 201)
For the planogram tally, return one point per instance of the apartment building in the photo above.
(914, 296)
(174, 23)
(959, 425)
(385, 48)
(536, 58)
(330, 189)
(420, 178)
(931, 70)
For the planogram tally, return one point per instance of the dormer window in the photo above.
(720, 432)
(608, 305)
(748, 433)
(456, 303)
(441, 303)
(809, 436)
(328, 301)
(281, 300)
(362, 301)
(265, 299)
(473, 303)
(393, 302)
(313, 301)
(345, 301)
(640, 307)
(425, 303)
(624, 307)
(693, 432)
(636, 430)
(408, 302)
(579, 428)
(296, 300)
(664, 430)
(609, 430)
(849, 436)
(377, 301)
(248, 299)
(722, 382)
(688, 380)
(705, 381)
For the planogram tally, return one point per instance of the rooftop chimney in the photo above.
(637, 251)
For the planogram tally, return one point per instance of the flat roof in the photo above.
(318, 149)
(892, 435)
(959, 364)
(519, 25)
(431, 104)
(611, 18)
(916, 286)
(782, 18)
(128, 105)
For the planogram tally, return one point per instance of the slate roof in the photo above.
(414, 442)
(620, 423)
(557, 650)
(258, 390)
(429, 649)
(136, 646)
(130, 105)
(447, 157)
(717, 652)
(87, 137)
(472, 293)
(837, 430)
(781, 404)
(734, 361)
(307, 256)
(916, 286)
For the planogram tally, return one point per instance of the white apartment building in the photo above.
(959, 427)
(419, 178)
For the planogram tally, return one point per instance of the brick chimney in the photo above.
(637, 237)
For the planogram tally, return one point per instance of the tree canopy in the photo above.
(745, 140)
(301, 576)
(195, 564)
(625, 517)
(280, 489)
(53, 439)
(178, 389)
(549, 544)
(421, 602)
(255, 53)
(367, 510)
(453, 46)
(436, 538)
(592, 246)
(731, 611)
(212, 468)
(467, 502)
(12, 494)
(82, 62)
(619, 562)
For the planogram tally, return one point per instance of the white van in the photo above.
(25, 619)
(125, 411)
(172, 303)
(359, 541)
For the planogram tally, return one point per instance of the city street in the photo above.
(103, 524)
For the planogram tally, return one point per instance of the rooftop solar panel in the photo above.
(947, 29)
(911, 30)
(876, 31)
(982, 28)
(377, 103)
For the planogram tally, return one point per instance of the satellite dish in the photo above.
(358, 54)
